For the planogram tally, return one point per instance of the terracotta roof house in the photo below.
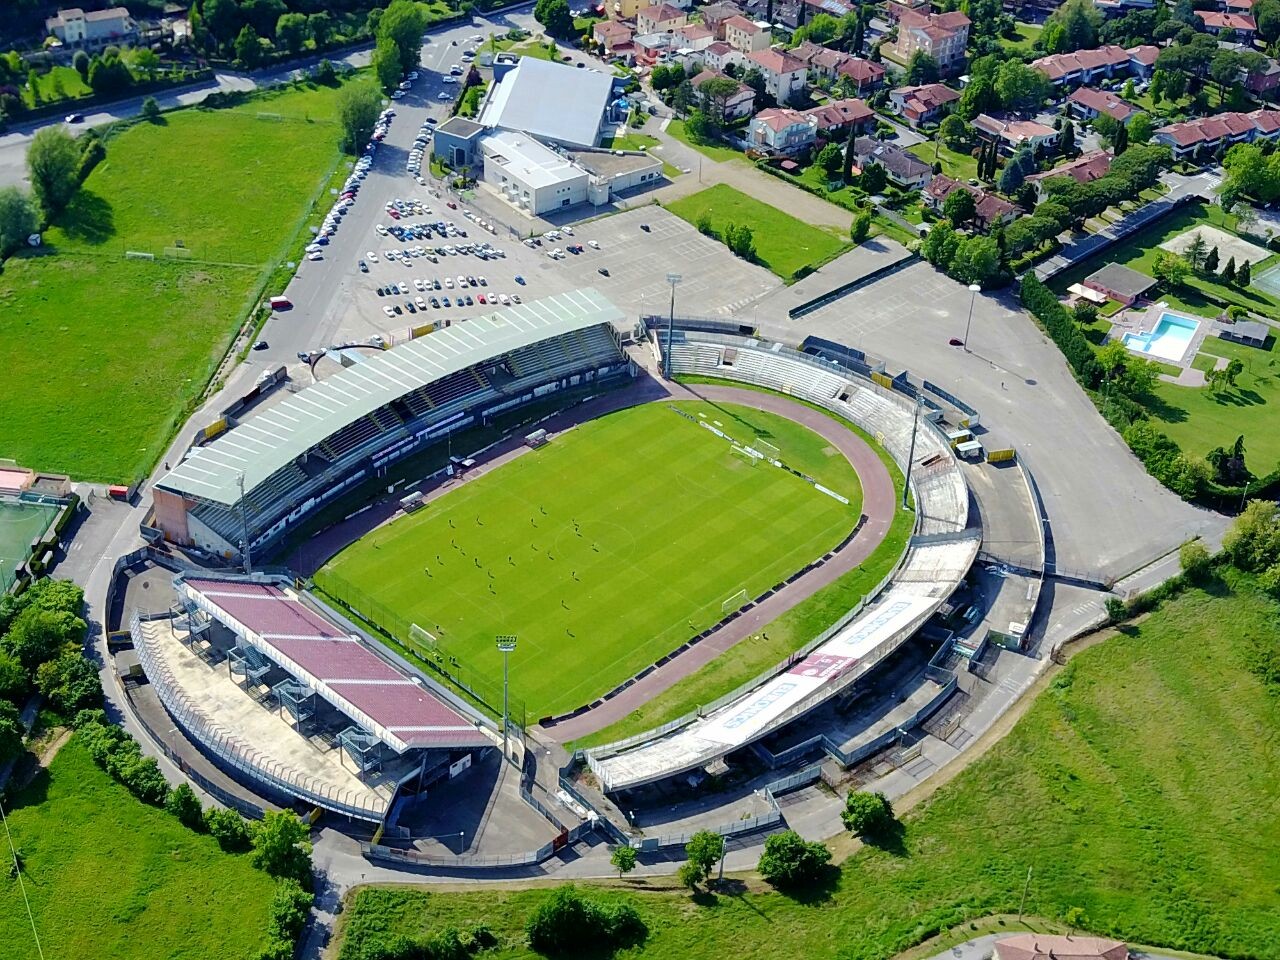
(865, 75)
(695, 36)
(989, 209)
(1229, 25)
(904, 169)
(1037, 946)
(1205, 136)
(784, 75)
(615, 37)
(779, 130)
(660, 18)
(1084, 66)
(1142, 60)
(719, 55)
(1089, 102)
(821, 61)
(922, 104)
(839, 115)
(1083, 169)
(714, 16)
(942, 36)
(741, 104)
(747, 35)
(1014, 134)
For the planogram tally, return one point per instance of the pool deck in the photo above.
(1144, 318)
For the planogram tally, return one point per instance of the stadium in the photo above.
(622, 530)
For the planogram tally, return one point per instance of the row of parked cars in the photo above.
(413, 165)
(346, 199)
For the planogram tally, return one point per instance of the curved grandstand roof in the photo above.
(263, 444)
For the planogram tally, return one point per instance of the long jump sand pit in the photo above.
(1228, 244)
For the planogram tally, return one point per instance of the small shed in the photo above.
(1252, 333)
(1119, 283)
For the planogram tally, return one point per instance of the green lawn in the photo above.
(1138, 786)
(631, 140)
(103, 353)
(112, 879)
(1028, 34)
(568, 548)
(66, 78)
(783, 243)
(956, 165)
(714, 151)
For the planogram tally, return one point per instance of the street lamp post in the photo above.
(506, 644)
(673, 279)
(911, 455)
(244, 527)
(973, 295)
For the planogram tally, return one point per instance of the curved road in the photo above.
(879, 502)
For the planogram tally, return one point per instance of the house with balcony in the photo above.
(836, 117)
(1014, 134)
(928, 103)
(715, 15)
(821, 62)
(1229, 26)
(865, 75)
(905, 169)
(741, 104)
(1085, 168)
(781, 131)
(1085, 66)
(92, 29)
(942, 36)
(719, 55)
(747, 36)
(989, 209)
(660, 18)
(614, 38)
(784, 75)
(695, 36)
(1142, 60)
(1206, 137)
(1089, 103)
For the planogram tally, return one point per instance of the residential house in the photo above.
(820, 61)
(905, 169)
(92, 29)
(660, 18)
(1085, 66)
(784, 75)
(1085, 168)
(741, 104)
(613, 37)
(923, 104)
(789, 12)
(715, 15)
(836, 117)
(894, 9)
(747, 36)
(1229, 26)
(865, 75)
(1142, 60)
(1013, 134)
(779, 130)
(989, 209)
(1207, 136)
(1038, 946)
(1263, 80)
(719, 55)
(1087, 103)
(695, 36)
(650, 47)
(942, 36)
(625, 9)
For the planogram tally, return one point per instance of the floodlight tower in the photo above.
(673, 279)
(506, 646)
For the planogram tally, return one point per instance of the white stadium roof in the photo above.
(550, 100)
(280, 434)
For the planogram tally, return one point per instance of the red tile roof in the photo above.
(1145, 54)
(778, 119)
(775, 61)
(743, 24)
(840, 113)
(1101, 101)
(1227, 21)
(1038, 946)
(1083, 169)
(861, 71)
(1059, 65)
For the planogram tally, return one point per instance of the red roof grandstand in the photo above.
(335, 664)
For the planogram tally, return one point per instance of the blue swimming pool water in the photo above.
(1167, 341)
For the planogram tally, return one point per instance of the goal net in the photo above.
(424, 639)
(745, 455)
(735, 602)
(767, 448)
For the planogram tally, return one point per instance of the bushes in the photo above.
(228, 828)
(120, 756)
(789, 861)
(1057, 322)
(183, 803)
(290, 906)
(569, 923)
(70, 682)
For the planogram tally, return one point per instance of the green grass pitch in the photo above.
(606, 549)
(20, 523)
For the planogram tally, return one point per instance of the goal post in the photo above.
(767, 448)
(743, 454)
(735, 602)
(423, 638)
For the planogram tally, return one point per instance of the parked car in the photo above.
(260, 345)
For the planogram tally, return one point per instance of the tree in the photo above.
(860, 229)
(320, 26)
(1197, 251)
(754, 79)
(81, 64)
(699, 126)
(1211, 261)
(292, 30)
(666, 77)
(684, 97)
(555, 17)
(70, 682)
(228, 828)
(715, 94)
(109, 75)
(1243, 275)
(1228, 465)
(569, 923)
(830, 160)
(940, 244)
(741, 240)
(850, 154)
(1140, 128)
(922, 69)
(150, 110)
(1169, 269)
(1229, 271)
(18, 219)
(386, 63)
(248, 47)
(789, 862)
(1194, 558)
(14, 682)
(1020, 87)
(874, 178)
(36, 635)
(1232, 371)
(953, 130)
(1073, 26)
(703, 851)
(358, 109)
(623, 859)
(281, 847)
(959, 207)
(867, 814)
(977, 260)
(183, 803)
(11, 732)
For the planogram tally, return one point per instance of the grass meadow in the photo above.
(111, 878)
(606, 549)
(784, 244)
(1140, 786)
(104, 354)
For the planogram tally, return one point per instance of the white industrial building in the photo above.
(552, 102)
(530, 176)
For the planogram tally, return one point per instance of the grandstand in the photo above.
(938, 558)
(254, 481)
(284, 697)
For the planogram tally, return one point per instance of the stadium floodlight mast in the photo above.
(911, 456)
(244, 527)
(506, 645)
(974, 290)
(673, 279)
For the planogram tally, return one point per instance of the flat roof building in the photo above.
(551, 101)
(1119, 283)
(529, 175)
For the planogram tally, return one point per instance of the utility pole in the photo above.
(915, 424)
(244, 527)
(506, 644)
(673, 279)
(973, 295)
(1025, 887)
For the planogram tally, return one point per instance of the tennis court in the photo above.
(20, 523)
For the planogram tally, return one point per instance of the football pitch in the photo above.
(20, 523)
(607, 548)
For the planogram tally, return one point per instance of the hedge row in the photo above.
(1063, 330)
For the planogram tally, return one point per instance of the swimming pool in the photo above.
(1168, 341)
